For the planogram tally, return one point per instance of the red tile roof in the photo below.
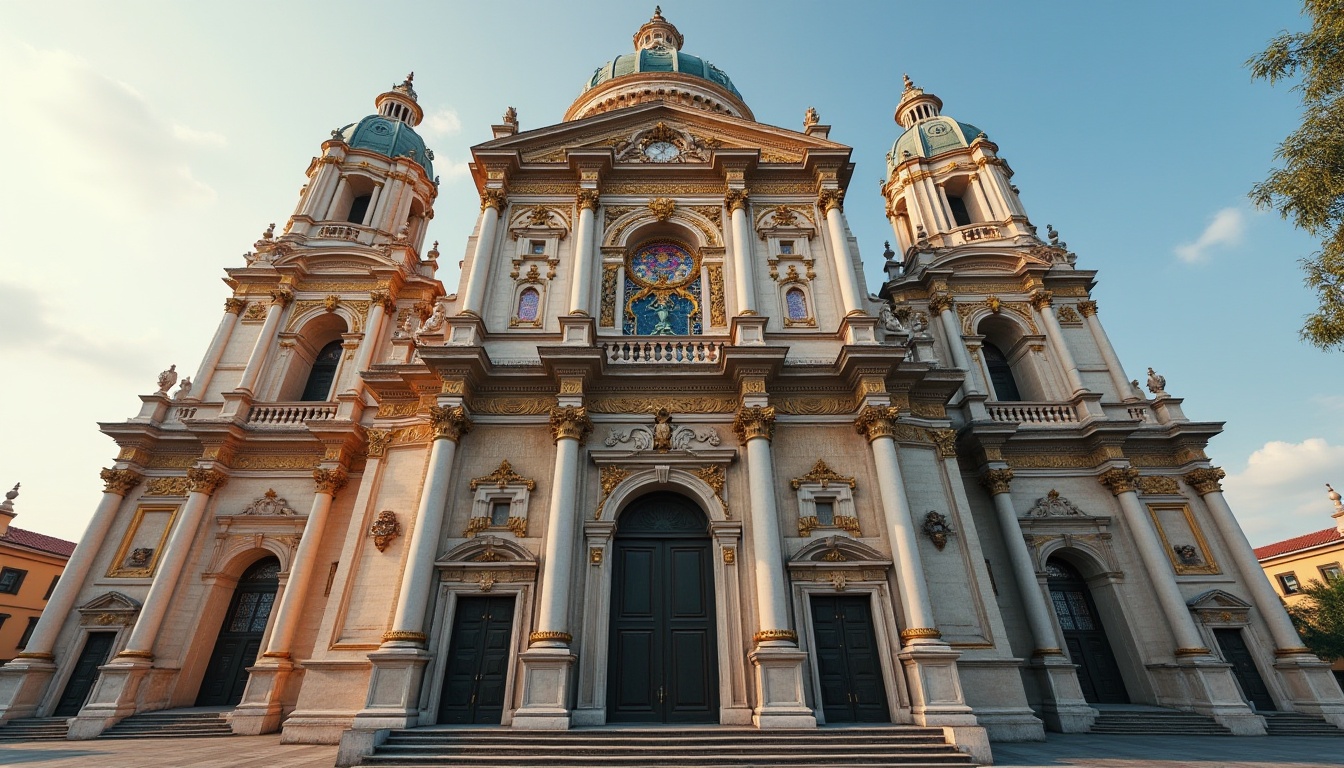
(1306, 541)
(39, 541)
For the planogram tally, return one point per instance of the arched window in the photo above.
(358, 209)
(529, 304)
(960, 215)
(323, 374)
(795, 302)
(1000, 374)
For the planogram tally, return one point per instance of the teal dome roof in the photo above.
(929, 138)
(661, 59)
(391, 138)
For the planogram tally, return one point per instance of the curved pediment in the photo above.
(834, 550)
(489, 549)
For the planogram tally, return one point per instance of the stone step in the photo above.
(152, 725)
(34, 729)
(1173, 723)
(755, 760)
(1293, 724)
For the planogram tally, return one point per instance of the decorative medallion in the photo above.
(384, 529)
(663, 290)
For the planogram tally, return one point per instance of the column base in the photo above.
(464, 330)
(23, 683)
(357, 744)
(1215, 693)
(859, 328)
(394, 689)
(1064, 709)
(577, 330)
(936, 698)
(747, 330)
(113, 698)
(546, 681)
(262, 707)
(1315, 691)
(780, 702)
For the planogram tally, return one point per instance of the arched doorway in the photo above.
(240, 635)
(663, 655)
(1084, 634)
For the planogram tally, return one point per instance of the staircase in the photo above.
(1156, 721)
(34, 729)
(893, 746)
(1284, 724)
(171, 723)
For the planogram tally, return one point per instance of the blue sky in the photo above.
(151, 142)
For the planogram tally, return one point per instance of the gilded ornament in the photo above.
(517, 526)
(876, 421)
(920, 633)
(167, 486)
(1205, 480)
(937, 529)
(610, 478)
(587, 199)
(474, 526)
(540, 216)
(381, 298)
(1041, 299)
(503, 477)
(549, 635)
(268, 504)
(235, 306)
(570, 423)
(610, 272)
(718, 313)
(994, 303)
(823, 475)
(730, 555)
(813, 405)
(511, 406)
(939, 302)
(828, 199)
(330, 481)
(281, 296)
(631, 404)
(927, 410)
(1068, 315)
(120, 481)
(595, 556)
(1119, 480)
(662, 208)
(769, 635)
(331, 302)
(1156, 485)
(735, 199)
(753, 422)
(712, 212)
(494, 198)
(404, 636)
(715, 477)
(392, 409)
(946, 440)
(385, 528)
(205, 481)
(784, 216)
(997, 481)
(1088, 308)
(449, 422)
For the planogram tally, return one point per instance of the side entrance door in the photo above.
(852, 690)
(240, 636)
(478, 661)
(663, 663)
(1238, 655)
(1084, 636)
(85, 674)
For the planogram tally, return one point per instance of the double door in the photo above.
(240, 637)
(476, 670)
(96, 649)
(852, 690)
(1253, 687)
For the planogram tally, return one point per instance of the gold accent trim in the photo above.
(276, 654)
(997, 481)
(824, 475)
(1205, 480)
(756, 421)
(136, 655)
(1119, 480)
(120, 481)
(544, 636)
(919, 633)
(116, 570)
(205, 481)
(1280, 652)
(1047, 652)
(36, 655)
(404, 635)
(504, 476)
(730, 555)
(876, 421)
(831, 198)
(449, 422)
(1193, 652)
(1210, 565)
(329, 481)
(570, 422)
(611, 477)
(768, 635)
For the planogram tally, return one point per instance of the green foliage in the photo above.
(1309, 189)
(1319, 617)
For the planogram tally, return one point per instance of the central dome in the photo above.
(657, 70)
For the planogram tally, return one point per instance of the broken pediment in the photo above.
(489, 549)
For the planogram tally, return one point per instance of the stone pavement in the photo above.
(1060, 751)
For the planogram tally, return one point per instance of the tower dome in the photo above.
(391, 132)
(658, 70)
(927, 132)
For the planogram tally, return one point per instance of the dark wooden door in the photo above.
(239, 639)
(663, 658)
(1084, 635)
(1235, 652)
(478, 661)
(85, 674)
(852, 690)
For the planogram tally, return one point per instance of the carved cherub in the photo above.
(433, 323)
(1157, 384)
(662, 430)
(891, 322)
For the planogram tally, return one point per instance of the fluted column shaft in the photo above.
(480, 260)
(1041, 300)
(850, 294)
(286, 621)
(203, 483)
(569, 426)
(580, 291)
(742, 262)
(1039, 614)
(1123, 390)
(1155, 561)
(280, 298)
(755, 428)
(116, 484)
(373, 332)
(232, 308)
(941, 305)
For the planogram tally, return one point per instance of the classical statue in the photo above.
(511, 117)
(433, 323)
(891, 322)
(167, 379)
(811, 118)
(919, 324)
(663, 327)
(183, 389)
(662, 430)
(1157, 384)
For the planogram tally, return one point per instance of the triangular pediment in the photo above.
(111, 601)
(631, 132)
(1217, 599)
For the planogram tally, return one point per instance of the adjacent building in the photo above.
(30, 566)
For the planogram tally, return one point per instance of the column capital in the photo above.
(736, 199)
(1088, 308)
(753, 422)
(587, 199)
(570, 422)
(449, 422)
(767, 635)
(946, 440)
(827, 199)
(235, 305)
(1041, 299)
(939, 302)
(329, 481)
(205, 481)
(876, 421)
(920, 633)
(494, 198)
(281, 296)
(383, 297)
(376, 442)
(1120, 479)
(1205, 480)
(997, 481)
(120, 481)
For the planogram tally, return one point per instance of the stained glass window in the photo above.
(529, 303)
(796, 302)
(662, 289)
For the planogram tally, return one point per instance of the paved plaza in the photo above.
(1060, 751)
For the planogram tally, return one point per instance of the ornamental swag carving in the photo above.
(268, 504)
(1054, 505)
(384, 529)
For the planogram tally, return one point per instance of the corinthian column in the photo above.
(1042, 300)
(831, 202)
(1123, 389)
(587, 200)
(381, 305)
(493, 202)
(280, 298)
(940, 304)
(745, 279)
(232, 308)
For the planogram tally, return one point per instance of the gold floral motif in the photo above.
(767, 635)
(1157, 485)
(385, 528)
(624, 404)
(205, 481)
(918, 633)
(1205, 480)
(510, 406)
(587, 199)
(822, 474)
(735, 199)
(255, 312)
(831, 198)
(517, 526)
(502, 477)
(997, 481)
(730, 555)
(1088, 308)
(1040, 299)
(167, 486)
(1068, 315)
(946, 440)
(712, 212)
(611, 213)
(449, 422)
(550, 635)
(376, 441)
(494, 198)
(281, 296)
(392, 409)
(662, 208)
(753, 422)
(994, 303)
(594, 555)
(808, 524)
(235, 306)
(381, 298)
(813, 405)
(275, 461)
(927, 410)
(474, 526)
(609, 274)
(404, 636)
(939, 302)
(120, 481)
(876, 421)
(718, 313)
(570, 423)
(610, 478)
(715, 477)
(330, 481)
(1051, 461)
(1119, 480)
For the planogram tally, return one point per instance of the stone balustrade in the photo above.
(289, 414)
(348, 232)
(1035, 414)
(663, 350)
(975, 233)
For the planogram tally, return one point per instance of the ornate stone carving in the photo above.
(997, 481)
(449, 422)
(822, 475)
(730, 555)
(937, 529)
(994, 303)
(663, 436)
(376, 442)
(385, 528)
(330, 480)
(830, 198)
(946, 440)
(689, 404)
(1068, 315)
(587, 199)
(767, 635)
(1157, 383)
(1119, 480)
(876, 421)
(382, 298)
(753, 422)
(939, 302)
(610, 477)
(167, 379)
(608, 314)
(282, 296)
(1041, 299)
(268, 504)
(808, 524)
(502, 477)
(167, 486)
(662, 208)
(494, 198)
(917, 633)
(715, 476)
(1054, 505)
(549, 635)
(120, 481)
(1205, 480)
(235, 305)
(736, 199)
(1088, 308)
(718, 313)
(1159, 485)
(205, 481)
(570, 423)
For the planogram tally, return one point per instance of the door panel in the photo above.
(239, 640)
(477, 667)
(1084, 635)
(1238, 655)
(852, 688)
(85, 674)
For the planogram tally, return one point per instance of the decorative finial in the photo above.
(168, 378)
(1333, 496)
(433, 250)
(269, 234)
(410, 78)
(909, 84)
(13, 493)
(658, 12)
(888, 254)
(511, 117)
(1157, 383)
(7, 506)
(811, 118)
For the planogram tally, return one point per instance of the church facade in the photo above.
(664, 457)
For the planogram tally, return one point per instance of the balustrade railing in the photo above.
(340, 232)
(283, 414)
(653, 351)
(1033, 413)
(977, 232)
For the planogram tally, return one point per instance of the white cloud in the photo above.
(202, 138)
(1226, 229)
(441, 123)
(1281, 492)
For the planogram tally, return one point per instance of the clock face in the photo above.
(662, 152)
